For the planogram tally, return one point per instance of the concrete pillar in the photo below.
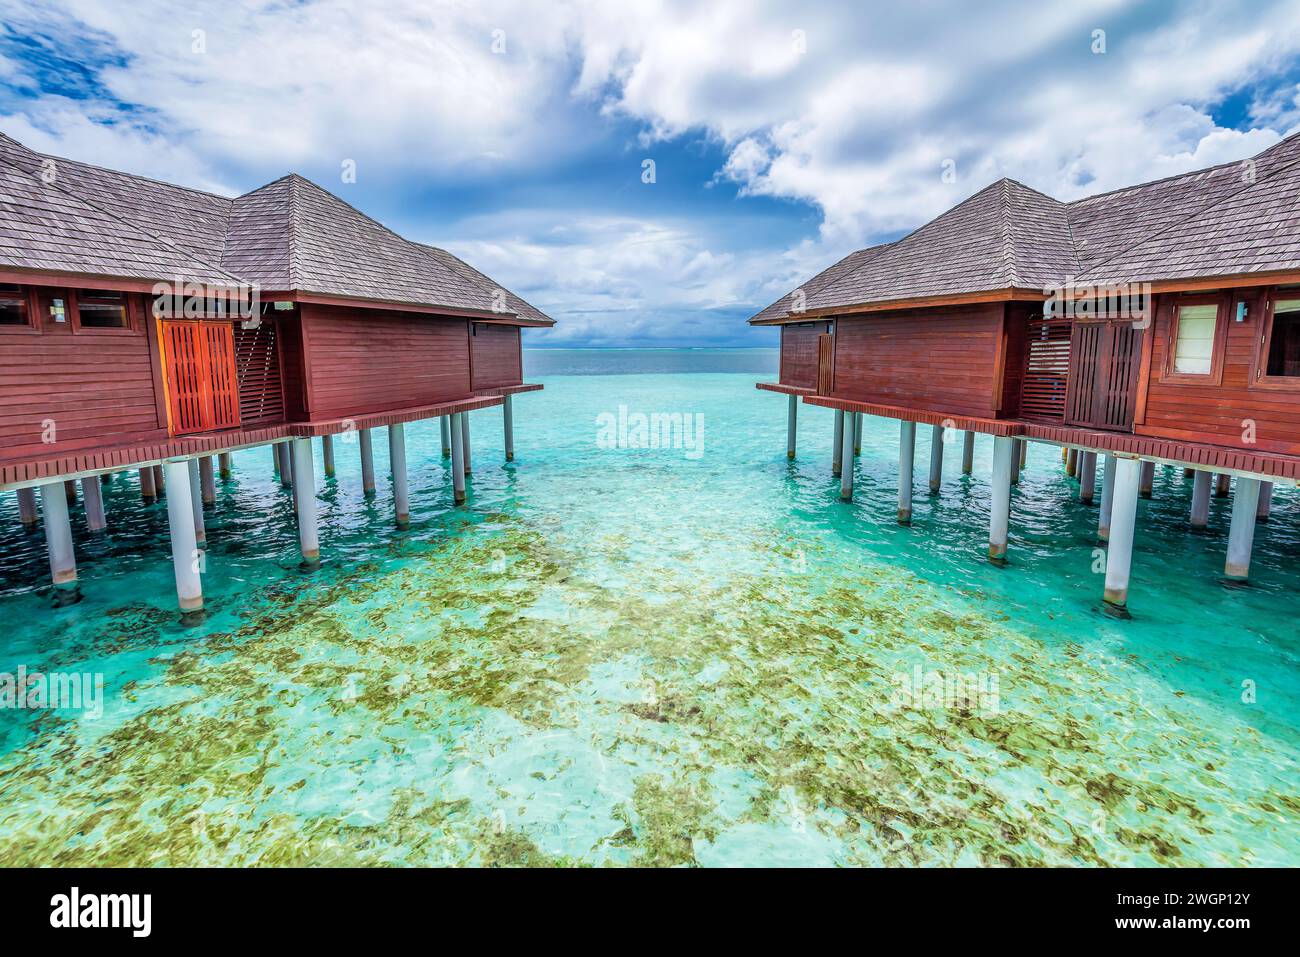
(186, 557)
(304, 493)
(275, 460)
(28, 514)
(397, 462)
(106, 478)
(1024, 452)
(445, 420)
(1222, 485)
(208, 480)
(286, 464)
(508, 416)
(1201, 499)
(70, 491)
(1241, 535)
(1071, 462)
(1123, 522)
(464, 432)
(367, 463)
(147, 490)
(857, 433)
(1265, 501)
(160, 480)
(791, 425)
(846, 457)
(1000, 512)
(457, 457)
(1015, 461)
(936, 459)
(223, 463)
(1189, 473)
(837, 446)
(195, 485)
(967, 453)
(906, 465)
(1087, 477)
(58, 541)
(327, 453)
(1146, 479)
(93, 496)
(1107, 498)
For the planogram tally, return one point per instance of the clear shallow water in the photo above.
(635, 657)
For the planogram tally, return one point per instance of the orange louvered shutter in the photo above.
(202, 390)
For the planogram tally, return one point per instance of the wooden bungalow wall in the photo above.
(943, 359)
(799, 354)
(367, 360)
(496, 356)
(96, 387)
(1218, 414)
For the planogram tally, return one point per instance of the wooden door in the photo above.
(202, 388)
(825, 364)
(1105, 365)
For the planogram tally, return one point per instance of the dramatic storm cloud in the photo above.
(782, 135)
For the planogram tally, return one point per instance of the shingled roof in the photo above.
(288, 236)
(1232, 219)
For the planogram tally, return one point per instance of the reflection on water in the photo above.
(633, 657)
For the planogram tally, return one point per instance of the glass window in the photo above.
(1194, 350)
(1284, 341)
(101, 309)
(13, 305)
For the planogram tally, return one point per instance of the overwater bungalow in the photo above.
(1157, 324)
(154, 328)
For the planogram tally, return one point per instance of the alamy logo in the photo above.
(103, 910)
(52, 691)
(655, 430)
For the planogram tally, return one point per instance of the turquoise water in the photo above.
(644, 656)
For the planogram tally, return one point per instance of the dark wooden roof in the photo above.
(287, 236)
(1228, 220)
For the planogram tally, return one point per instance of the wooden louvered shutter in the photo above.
(202, 389)
(1104, 372)
(1047, 369)
(257, 365)
(825, 364)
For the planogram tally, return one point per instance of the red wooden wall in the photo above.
(1218, 414)
(496, 356)
(799, 354)
(939, 360)
(368, 360)
(96, 386)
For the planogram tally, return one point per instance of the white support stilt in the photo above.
(1107, 498)
(1015, 462)
(837, 443)
(207, 480)
(275, 460)
(304, 493)
(1071, 462)
(70, 491)
(147, 490)
(397, 461)
(195, 487)
(791, 425)
(224, 466)
(857, 433)
(1087, 477)
(187, 560)
(968, 453)
(93, 497)
(446, 435)
(457, 458)
(160, 480)
(464, 431)
(1000, 511)
(936, 459)
(1265, 501)
(1024, 452)
(28, 513)
(1241, 535)
(1222, 485)
(846, 457)
(327, 453)
(58, 540)
(508, 417)
(1147, 479)
(1123, 524)
(367, 463)
(286, 465)
(906, 467)
(1201, 499)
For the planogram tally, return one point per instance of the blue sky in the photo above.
(784, 135)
